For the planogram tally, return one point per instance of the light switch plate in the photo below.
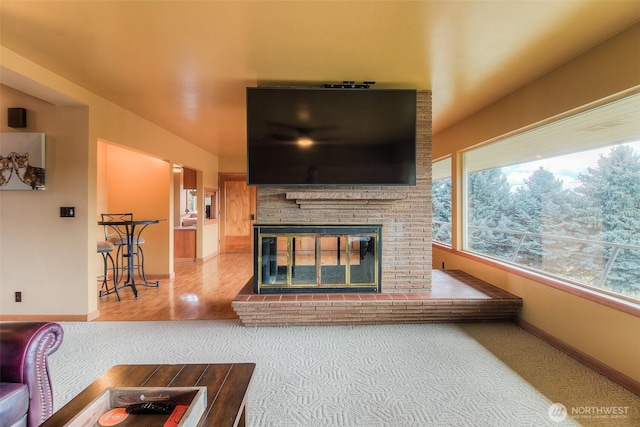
(67, 212)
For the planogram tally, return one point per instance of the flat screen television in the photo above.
(323, 136)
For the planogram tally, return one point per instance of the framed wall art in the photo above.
(22, 157)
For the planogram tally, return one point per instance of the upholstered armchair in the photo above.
(26, 395)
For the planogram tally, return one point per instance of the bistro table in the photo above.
(132, 231)
(227, 389)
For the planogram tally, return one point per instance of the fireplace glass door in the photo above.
(317, 259)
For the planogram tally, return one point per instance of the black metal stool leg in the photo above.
(141, 269)
(115, 276)
(105, 290)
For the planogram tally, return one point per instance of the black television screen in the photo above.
(322, 136)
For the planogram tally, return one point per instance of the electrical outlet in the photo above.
(67, 212)
(18, 296)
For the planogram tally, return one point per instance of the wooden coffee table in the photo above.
(227, 386)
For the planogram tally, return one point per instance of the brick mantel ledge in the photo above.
(345, 195)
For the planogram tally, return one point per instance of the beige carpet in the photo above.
(590, 396)
(489, 374)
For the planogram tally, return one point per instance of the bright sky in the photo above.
(565, 168)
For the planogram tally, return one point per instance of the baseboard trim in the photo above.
(48, 317)
(601, 368)
(208, 257)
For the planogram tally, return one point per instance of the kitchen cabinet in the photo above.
(184, 243)
(188, 179)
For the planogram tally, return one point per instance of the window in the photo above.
(441, 201)
(563, 199)
(192, 201)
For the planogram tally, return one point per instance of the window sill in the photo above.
(619, 304)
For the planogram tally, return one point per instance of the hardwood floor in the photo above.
(204, 291)
(199, 291)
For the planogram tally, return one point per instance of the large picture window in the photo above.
(563, 199)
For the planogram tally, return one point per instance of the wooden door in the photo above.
(237, 213)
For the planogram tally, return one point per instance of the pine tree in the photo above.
(489, 197)
(540, 207)
(489, 203)
(612, 193)
(441, 205)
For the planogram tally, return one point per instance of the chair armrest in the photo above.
(24, 351)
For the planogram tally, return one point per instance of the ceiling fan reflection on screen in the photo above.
(303, 136)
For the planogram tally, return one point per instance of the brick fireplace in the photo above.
(403, 211)
(404, 215)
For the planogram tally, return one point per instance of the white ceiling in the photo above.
(185, 64)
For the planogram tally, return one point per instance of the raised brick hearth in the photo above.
(455, 297)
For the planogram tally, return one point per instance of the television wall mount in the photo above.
(348, 85)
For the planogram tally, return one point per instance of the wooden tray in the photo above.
(119, 397)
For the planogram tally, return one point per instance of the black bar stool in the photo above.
(105, 249)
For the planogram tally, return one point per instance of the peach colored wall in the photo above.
(141, 184)
(611, 68)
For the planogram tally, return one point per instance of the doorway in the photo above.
(237, 213)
